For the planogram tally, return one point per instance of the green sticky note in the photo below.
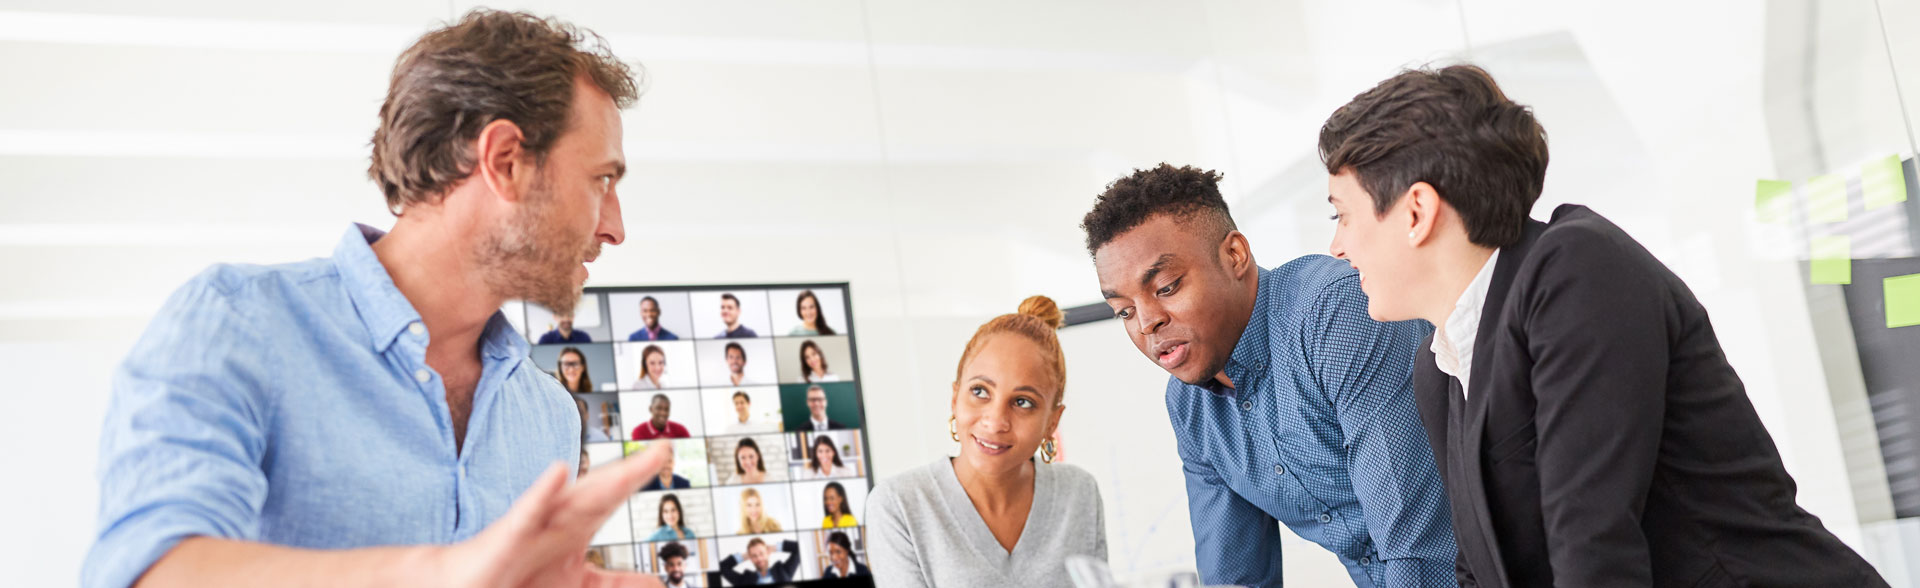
(1883, 182)
(1832, 260)
(1827, 199)
(1771, 200)
(1903, 300)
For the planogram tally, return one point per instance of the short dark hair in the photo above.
(755, 541)
(492, 65)
(729, 296)
(1186, 192)
(1453, 129)
(673, 551)
(661, 398)
(731, 347)
(742, 394)
(645, 299)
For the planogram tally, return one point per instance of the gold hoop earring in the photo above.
(1048, 450)
(953, 428)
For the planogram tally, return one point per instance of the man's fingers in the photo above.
(599, 578)
(604, 489)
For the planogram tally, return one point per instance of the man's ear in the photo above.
(1236, 254)
(502, 159)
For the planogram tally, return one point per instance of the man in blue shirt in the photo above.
(369, 418)
(651, 330)
(564, 333)
(1289, 404)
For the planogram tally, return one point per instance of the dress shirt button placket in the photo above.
(1279, 470)
(1326, 518)
(1246, 405)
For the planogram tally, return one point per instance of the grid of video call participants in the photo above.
(757, 391)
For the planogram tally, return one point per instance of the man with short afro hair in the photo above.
(1289, 404)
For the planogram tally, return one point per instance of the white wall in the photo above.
(938, 155)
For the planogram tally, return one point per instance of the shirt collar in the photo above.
(386, 312)
(1250, 353)
(1453, 341)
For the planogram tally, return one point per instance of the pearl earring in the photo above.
(1409, 234)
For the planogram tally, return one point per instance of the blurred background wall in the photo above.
(938, 155)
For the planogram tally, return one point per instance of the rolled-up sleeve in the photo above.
(181, 448)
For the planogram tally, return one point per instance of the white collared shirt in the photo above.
(820, 425)
(1453, 341)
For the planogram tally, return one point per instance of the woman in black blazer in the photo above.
(1588, 428)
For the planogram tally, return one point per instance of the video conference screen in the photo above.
(757, 389)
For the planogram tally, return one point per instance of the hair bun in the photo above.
(1043, 308)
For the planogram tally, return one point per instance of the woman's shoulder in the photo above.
(1070, 478)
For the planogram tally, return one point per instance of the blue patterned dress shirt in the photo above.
(293, 405)
(1320, 433)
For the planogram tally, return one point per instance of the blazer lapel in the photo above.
(1475, 410)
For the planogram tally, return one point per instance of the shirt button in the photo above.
(421, 376)
(1366, 560)
(1326, 518)
(416, 329)
(1246, 405)
(1279, 470)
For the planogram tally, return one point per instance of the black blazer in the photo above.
(859, 569)
(782, 572)
(1605, 440)
(806, 426)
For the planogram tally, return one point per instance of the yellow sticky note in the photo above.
(1827, 199)
(1772, 199)
(1903, 300)
(1883, 182)
(1832, 260)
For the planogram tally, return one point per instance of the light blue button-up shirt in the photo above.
(1319, 433)
(293, 405)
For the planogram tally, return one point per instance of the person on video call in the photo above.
(650, 319)
(564, 333)
(572, 371)
(730, 314)
(602, 428)
(749, 467)
(658, 427)
(743, 422)
(764, 571)
(813, 364)
(825, 462)
(817, 412)
(672, 521)
(1287, 402)
(498, 149)
(840, 560)
(812, 322)
(924, 527)
(666, 479)
(673, 560)
(753, 515)
(737, 365)
(1589, 427)
(653, 370)
(833, 499)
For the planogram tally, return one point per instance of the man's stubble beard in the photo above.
(527, 259)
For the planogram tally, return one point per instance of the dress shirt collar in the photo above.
(1453, 343)
(386, 312)
(1251, 353)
